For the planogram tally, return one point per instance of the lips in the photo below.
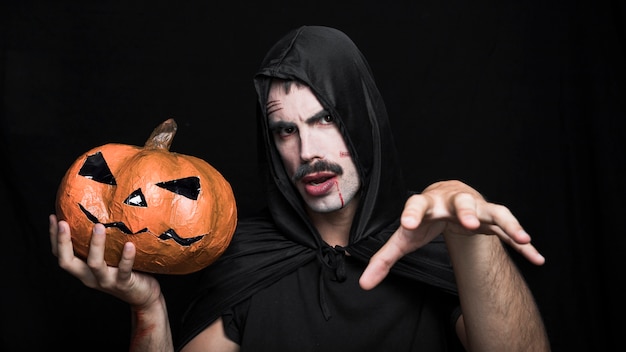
(319, 184)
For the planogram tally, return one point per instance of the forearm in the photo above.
(499, 311)
(151, 328)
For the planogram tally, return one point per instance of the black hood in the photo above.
(327, 61)
(267, 247)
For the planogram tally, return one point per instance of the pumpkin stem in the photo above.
(162, 136)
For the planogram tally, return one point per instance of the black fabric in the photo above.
(398, 315)
(268, 247)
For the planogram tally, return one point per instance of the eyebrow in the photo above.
(317, 116)
(277, 125)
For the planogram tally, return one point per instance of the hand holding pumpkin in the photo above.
(136, 289)
(177, 210)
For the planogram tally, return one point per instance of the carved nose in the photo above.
(136, 199)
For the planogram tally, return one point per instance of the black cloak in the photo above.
(267, 247)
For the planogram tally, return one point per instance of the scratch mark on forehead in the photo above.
(272, 106)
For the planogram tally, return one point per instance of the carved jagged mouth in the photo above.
(167, 235)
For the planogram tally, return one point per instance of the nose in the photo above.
(310, 147)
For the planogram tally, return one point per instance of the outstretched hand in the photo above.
(451, 208)
(134, 288)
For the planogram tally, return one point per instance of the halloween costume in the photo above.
(278, 273)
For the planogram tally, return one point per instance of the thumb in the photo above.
(381, 262)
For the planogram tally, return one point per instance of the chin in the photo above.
(326, 207)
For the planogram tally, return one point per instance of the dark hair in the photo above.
(286, 83)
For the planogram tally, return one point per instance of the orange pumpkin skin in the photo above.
(145, 195)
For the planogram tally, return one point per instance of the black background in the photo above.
(524, 100)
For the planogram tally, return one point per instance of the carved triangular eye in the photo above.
(96, 168)
(136, 199)
(188, 187)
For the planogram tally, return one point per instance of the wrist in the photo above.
(473, 249)
(150, 326)
(152, 305)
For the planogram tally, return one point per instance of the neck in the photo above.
(334, 227)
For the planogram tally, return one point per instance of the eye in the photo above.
(327, 120)
(283, 129)
(286, 131)
(96, 168)
(187, 187)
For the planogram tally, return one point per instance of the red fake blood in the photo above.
(339, 192)
(142, 329)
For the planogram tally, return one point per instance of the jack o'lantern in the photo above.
(177, 209)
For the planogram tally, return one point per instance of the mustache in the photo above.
(319, 166)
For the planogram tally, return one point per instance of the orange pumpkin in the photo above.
(177, 209)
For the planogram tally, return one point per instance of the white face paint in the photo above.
(312, 149)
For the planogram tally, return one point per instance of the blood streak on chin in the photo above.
(344, 154)
(339, 192)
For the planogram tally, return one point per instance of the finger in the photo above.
(465, 207)
(125, 266)
(529, 252)
(415, 208)
(65, 254)
(64, 248)
(380, 264)
(53, 230)
(501, 216)
(403, 241)
(95, 259)
(376, 270)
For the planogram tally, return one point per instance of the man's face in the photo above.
(313, 151)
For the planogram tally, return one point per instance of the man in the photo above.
(330, 266)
